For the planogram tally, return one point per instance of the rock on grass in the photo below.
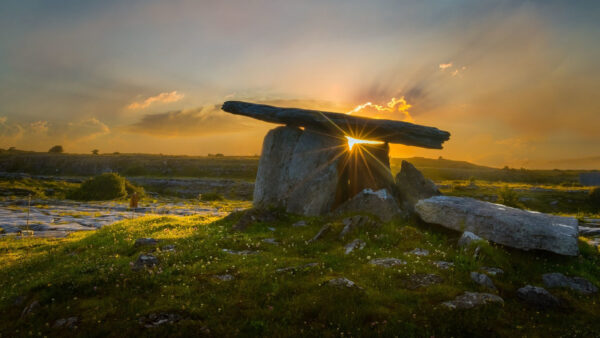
(469, 300)
(558, 280)
(537, 296)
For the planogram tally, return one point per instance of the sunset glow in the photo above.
(352, 141)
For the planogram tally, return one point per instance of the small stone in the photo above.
(157, 319)
(299, 224)
(492, 271)
(537, 296)
(146, 242)
(240, 252)
(32, 307)
(325, 229)
(356, 244)
(558, 280)
(482, 280)
(294, 269)
(469, 300)
(467, 238)
(419, 252)
(270, 241)
(343, 282)
(387, 262)
(443, 265)
(224, 278)
(355, 222)
(69, 323)
(271, 228)
(144, 261)
(168, 248)
(419, 280)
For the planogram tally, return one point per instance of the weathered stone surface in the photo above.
(443, 265)
(343, 124)
(294, 269)
(299, 171)
(387, 262)
(158, 319)
(69, 323)
(365, 166)
(412, 186)
(501, 224)
(343, 282)
(558, 280)
(146, 242)
(467, 238)
(356, 244)
(469, 300)
(419, 252)
(225, 277)
(322, 232)
(420, 280)
(145, 261)
(492, 271)
(537, 296)
(240, 252)
(588, 231)
(380, 203)
(482, 280)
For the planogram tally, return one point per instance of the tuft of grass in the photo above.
(103, 187)
(508, 197)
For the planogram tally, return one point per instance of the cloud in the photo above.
(394, 109)
(9, 131)
(161, 98)
(199, 121)
(443, 66)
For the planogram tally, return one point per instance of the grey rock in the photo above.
(588, 231)
(356, 222)
(443, 265)
(31, 308)
(69, 323)
(240, 252)
(537, 296)
(579, 284)
(380, 203)
(168, 248)
(145, 261)
(294, 269)
(298, 170)
(492, 271)
(225, 277)
(324, 230)
(356, 244)
(157, 319)
(270, 241)
(508, 226)
(469, 300)
(467, 238)
(146, 242)
(387, 262)
(482, 280)
(420, 280)
(339, 124)
(299, 224)
(413, 186)
(343, 282)
(419, 252)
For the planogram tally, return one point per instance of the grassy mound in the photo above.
(89, 276)
(104, 187)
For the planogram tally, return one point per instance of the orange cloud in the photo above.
(443, 66)
(162, 98)
(398, 108)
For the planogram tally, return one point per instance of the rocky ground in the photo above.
(56, 218)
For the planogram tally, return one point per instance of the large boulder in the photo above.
(412, 186)
(508, 226)
(299, 171)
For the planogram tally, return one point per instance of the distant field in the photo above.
(245, 167)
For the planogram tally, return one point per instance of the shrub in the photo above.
(95, 152)
(594, 197)
(210, 196)
(56, 149)
(107, 186)
(508, 197)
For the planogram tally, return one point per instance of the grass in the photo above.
(88, 275)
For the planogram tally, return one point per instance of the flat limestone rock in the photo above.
(469, 300)
(579, 284)
(504, 225)
(298, 171)
(343, 124)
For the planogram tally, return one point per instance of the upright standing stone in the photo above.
(299, 171)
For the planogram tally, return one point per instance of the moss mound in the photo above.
(104, 187)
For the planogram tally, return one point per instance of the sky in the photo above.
(514, 82)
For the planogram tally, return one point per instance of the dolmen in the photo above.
(316, 164)
(307, 166)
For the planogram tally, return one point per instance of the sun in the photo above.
(352, 141)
